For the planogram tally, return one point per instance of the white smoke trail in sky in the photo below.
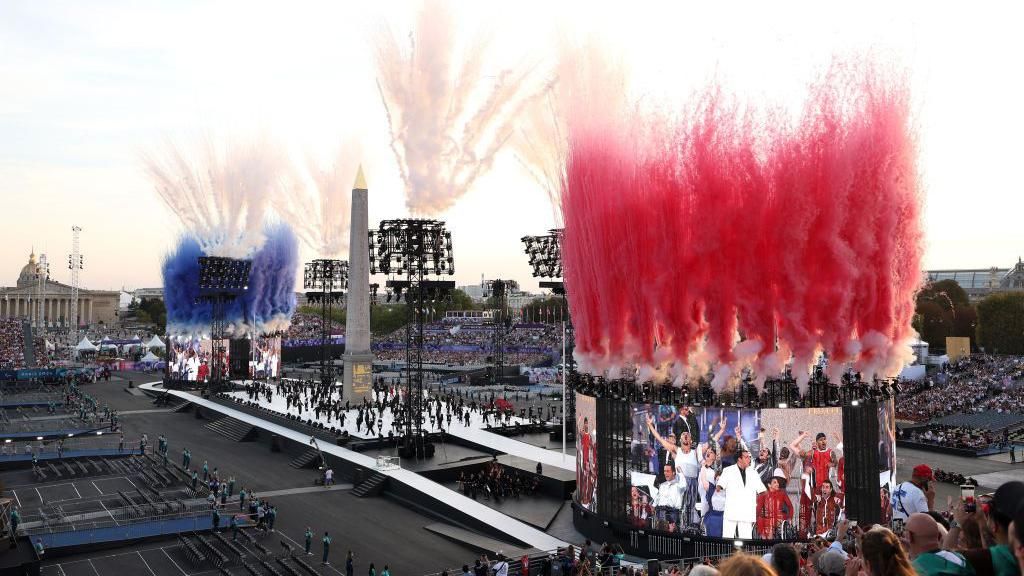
(446, 124)
(221, 192)
(316, 204)
(541, 145)
(541, 141)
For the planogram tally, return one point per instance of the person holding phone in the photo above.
(911, 497)
(924, 544)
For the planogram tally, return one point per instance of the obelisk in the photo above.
(358, 358)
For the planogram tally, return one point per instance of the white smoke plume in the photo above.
(221, 192)
(446, 123)
(317, 203)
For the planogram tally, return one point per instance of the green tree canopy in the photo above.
(1001, 323)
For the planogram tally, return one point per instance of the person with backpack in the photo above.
(500, 567)
(326, 541)
(914, 496)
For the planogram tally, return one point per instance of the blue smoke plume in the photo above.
(270, 299)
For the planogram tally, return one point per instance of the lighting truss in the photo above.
(499, 289)
(408, 251)
(545, 254)
(411, 246)
(325, 280)
(218, 274)
(221, 280)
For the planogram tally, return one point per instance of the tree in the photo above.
(386, 318)
(943, 310)
(947, 293)
(935, 323)
(337, 314)
(152, 311)
(1001, 323)
(965, 323)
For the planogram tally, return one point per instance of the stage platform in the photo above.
(475, 434)
(279, 404)
(427, 489)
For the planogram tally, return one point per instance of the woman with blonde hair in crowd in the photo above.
(745, 565)
(881, 554)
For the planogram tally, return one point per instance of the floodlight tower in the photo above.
(75, 264)
(545, 256)
(326, 280)
(409, 251)
(221, 280)
(499, 289)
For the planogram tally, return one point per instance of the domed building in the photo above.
(94, 306)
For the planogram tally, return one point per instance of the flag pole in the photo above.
(564, 415)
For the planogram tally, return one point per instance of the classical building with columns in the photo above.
(94, 306)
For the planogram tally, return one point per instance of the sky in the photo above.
(87, 87)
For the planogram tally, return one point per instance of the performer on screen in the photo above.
(767, 459)
(828, 510)
(741, 485)
(806, 499)
(669, 500)
(686, 462)
(886, 518)
(640, 512)
(822, 460)
(773, 510)
(586, 464)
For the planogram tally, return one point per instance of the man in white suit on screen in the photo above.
(741, 485)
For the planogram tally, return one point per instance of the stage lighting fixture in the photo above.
(855, 403)
(223, 274)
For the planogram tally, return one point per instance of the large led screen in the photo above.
(736, 473)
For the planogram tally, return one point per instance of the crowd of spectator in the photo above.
(959, 540)
(954, 436)
(309, 326)
(975, 384)
(526, 344)
(12, 344)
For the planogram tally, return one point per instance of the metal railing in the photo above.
(94, 441)
(116, 517)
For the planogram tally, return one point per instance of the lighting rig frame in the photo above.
(408, 251)
(545, 257)
(502, 320)
(221, 280)
(326, 281)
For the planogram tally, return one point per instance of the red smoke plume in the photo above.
(717, 241)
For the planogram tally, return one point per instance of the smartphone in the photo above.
(850, 525)
(967, 497)
(897, 526)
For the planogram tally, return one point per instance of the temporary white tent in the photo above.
(155, 342)
(149, 358)
(86, 346)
